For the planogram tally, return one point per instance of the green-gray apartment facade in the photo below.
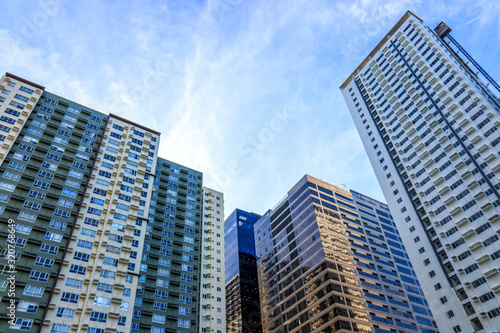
(103, 235)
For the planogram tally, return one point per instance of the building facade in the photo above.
(331, 260)
(429, 125)
(99, 233)
(167, 295)
(212, 312)
(103, 256)
(242, 289)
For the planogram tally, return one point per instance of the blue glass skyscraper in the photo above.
(242, 288)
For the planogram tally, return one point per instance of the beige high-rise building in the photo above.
(18, 98)
(212, 312)
(99, 278)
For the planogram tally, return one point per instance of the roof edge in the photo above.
(379, 46)
(15, 77)
(135, 124)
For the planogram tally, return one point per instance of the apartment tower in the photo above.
(98, 234)
(429, 123)
(167, 295)
(330, 260)
(212, 311)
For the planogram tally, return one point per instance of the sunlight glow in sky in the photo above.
(245, 91)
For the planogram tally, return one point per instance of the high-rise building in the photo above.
(429, 124)
(331, 260)
(168, 293)
(98, 233)
(242, 288)
(101, 269)
(212, 312)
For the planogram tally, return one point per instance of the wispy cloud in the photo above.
(246, 92)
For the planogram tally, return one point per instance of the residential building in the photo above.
(331, 260)
(242, 289)
(212, 312)
(429, 124)
(103, 258)
(167, 298)
(18, 98)
(101, 232)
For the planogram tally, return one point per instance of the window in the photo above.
(113, 249)
(44, 262)
(187, 268)
(16, 166)
(92, 222)
(84, 244)
(34, 291)
(65, 313)
(186, 288)
(22, 324)
(186, 323)
(94, 211)
(107, 274)
(184, 311)
(61, 213)
(52, 236)
(105, 287)
(88, 232)
(450, 314)
(50, 249)
(185, 299)
(110, 261)
(486, 297)
(102, 301)
(76, 174)
(77, 269)
(490, 240)
(25, 306)
(4, 129)
(158, 318)
(494, 313)
(443, 299)
(39, 276)
(160, 306)
(74, 283)
(124, 306)
(122, 320)
(118, 127)
(98, 317)
(22, 229)
(16, 104)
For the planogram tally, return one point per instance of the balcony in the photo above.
(475, 246)
(491, 273)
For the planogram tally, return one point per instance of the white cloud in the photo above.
(212, 77)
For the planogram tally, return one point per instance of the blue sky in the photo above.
(245, 91)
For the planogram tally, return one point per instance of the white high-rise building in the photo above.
(429, 124)
(212, 283)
